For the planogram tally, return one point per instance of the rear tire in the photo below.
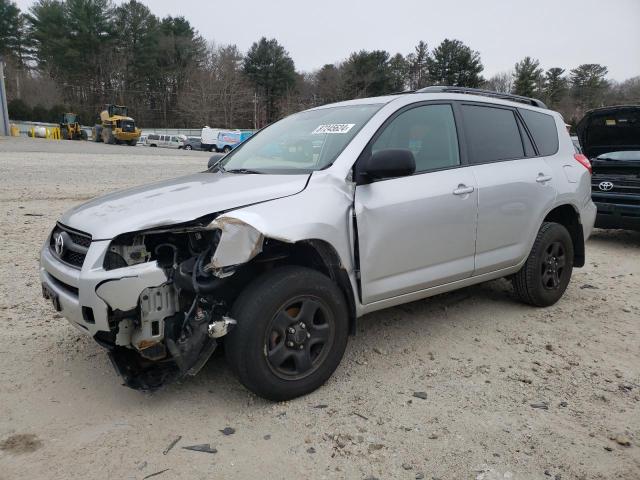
(544, 277)
(188, 147)
(291, 334)
(226, 149)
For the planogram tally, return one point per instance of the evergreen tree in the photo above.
(137, 42)
(398, 70)
(9, 27)
(588, 84)
(455, 64)
(555, 86)
(271, 70)
(527, 78)
(48, 35)
(418, 66)
(367, 74)
(328, 84)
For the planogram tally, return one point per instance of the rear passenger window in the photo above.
(428, 131)
(492, 134)
(543, 129)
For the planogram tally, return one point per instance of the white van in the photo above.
(167, 141)
(210, 139)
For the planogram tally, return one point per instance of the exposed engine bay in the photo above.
(172, 304)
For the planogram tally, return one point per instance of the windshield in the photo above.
(302, 142)
(118, 110)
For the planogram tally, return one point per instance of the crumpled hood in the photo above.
(176, 201)
(609, 129)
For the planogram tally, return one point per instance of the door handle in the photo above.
(463, 190)
(542, 178)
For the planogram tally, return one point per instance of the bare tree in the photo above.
(500, 82)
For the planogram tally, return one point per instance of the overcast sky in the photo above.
(562, 33)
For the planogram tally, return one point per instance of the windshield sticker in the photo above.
(333, 128)
(610, 123)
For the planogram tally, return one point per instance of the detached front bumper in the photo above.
(89, 296)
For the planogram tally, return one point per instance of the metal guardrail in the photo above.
(25, 127)
(189, 132)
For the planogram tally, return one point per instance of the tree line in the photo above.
(77, 55)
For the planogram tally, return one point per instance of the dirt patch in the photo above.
(21, 443)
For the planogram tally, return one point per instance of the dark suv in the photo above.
(610, 138)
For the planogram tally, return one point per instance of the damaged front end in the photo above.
(172, 303)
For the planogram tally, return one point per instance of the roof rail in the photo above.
(484, 93)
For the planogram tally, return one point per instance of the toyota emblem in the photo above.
(605, 186)
(59, 244)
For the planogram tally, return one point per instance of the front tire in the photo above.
(226, 149)
(546, 273)
(188, 147)
(291, 334)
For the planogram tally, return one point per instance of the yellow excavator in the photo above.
(70, 127)
(116, 126)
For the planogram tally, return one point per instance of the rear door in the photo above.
(515, 184)
(418, 231)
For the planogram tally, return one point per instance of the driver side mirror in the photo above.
(214, 159)
(389, 163)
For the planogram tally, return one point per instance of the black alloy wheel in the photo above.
(298, 337)
(291, 333)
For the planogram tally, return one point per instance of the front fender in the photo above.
(322, 212)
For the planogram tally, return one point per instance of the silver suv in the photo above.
(315, 221)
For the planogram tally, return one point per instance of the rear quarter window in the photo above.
(543, 129)
(492, 134)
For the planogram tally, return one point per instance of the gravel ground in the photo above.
(449, 388)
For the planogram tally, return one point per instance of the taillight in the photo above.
(584, 161)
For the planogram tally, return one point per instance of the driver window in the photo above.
(429, 131)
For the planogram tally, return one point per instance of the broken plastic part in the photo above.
(239, 243)
(122, 293)
(156, 304)
(221, 327)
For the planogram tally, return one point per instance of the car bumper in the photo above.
(75, 291)
(612, 215)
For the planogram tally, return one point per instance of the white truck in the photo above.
(210, 138)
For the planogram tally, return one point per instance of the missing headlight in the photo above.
(167, 248)
(133, 253)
